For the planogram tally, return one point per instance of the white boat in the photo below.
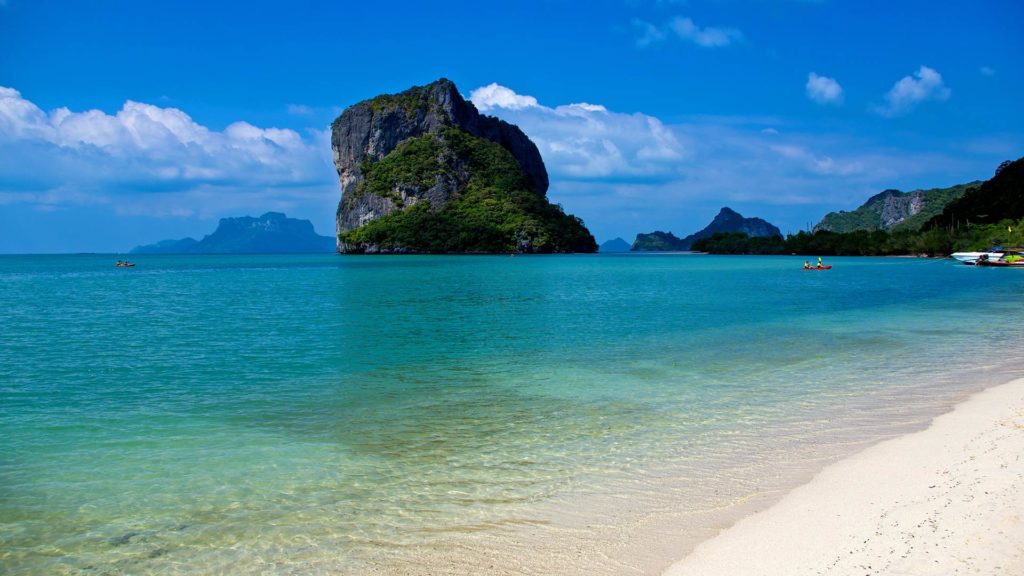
(973, 256)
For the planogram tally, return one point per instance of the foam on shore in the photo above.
(945, 500)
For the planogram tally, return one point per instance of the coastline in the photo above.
(948, 499)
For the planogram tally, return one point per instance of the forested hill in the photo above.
(990, 214)
(894, 210)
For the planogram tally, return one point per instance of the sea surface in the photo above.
(308, 414)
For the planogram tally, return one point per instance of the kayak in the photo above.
(829, 267)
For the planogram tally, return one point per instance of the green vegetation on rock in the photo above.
(415, 162)
(497, 210)
(894, 210)
(657, 241)
(411, 101)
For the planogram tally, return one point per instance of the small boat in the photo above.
(1010, 259)
(972, 257)
(829, 267)
(1000, 263)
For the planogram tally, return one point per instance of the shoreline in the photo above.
(948, 499)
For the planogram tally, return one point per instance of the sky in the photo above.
(125, 123)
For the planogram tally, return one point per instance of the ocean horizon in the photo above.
(284, 414)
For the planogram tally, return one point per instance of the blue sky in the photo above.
(124, 123)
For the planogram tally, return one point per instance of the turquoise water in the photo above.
(306, 414)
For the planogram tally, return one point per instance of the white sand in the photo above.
(943, 501)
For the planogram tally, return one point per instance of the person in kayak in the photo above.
(819, 262)
(807, 265)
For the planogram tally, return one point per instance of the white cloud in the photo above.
(987, 71)
(144, 152)
(909, 91)
(685, 29)
(496, 96)
(583, 140)
(824, 90)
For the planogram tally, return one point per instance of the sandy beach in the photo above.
(946, 500)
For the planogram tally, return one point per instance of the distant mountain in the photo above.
(999, 198)
(894, 210)
(271, 233)
(615, 245)
(183, 246)
(727, 220)
(656, 241)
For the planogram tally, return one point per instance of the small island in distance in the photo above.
(614, 245)
(727, 220)
(271, 233)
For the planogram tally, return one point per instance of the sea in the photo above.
(563, 414)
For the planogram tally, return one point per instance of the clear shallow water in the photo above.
(304, 414)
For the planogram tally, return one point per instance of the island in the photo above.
(422, 171)
(271, 233)
(614, 245)
(726, 221)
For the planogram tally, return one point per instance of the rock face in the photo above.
(271, 233)
(727, 220)
(892, 209)
(427, 144)
(614, 245)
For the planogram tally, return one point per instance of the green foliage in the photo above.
(415, 162)
(999, 198)
(657, 241)
(868, 217)
(740, 243)
(496, 211)
(936, 200)
(411, 101)
(933, 242)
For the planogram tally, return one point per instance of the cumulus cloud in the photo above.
(496, 96)
(909, 91)
(685, 29)
(61, 156)
(824, 90)
(585, 140)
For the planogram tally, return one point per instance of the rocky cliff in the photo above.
(271, 233)
(727, 220)
(893, 210)
(424, 171)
